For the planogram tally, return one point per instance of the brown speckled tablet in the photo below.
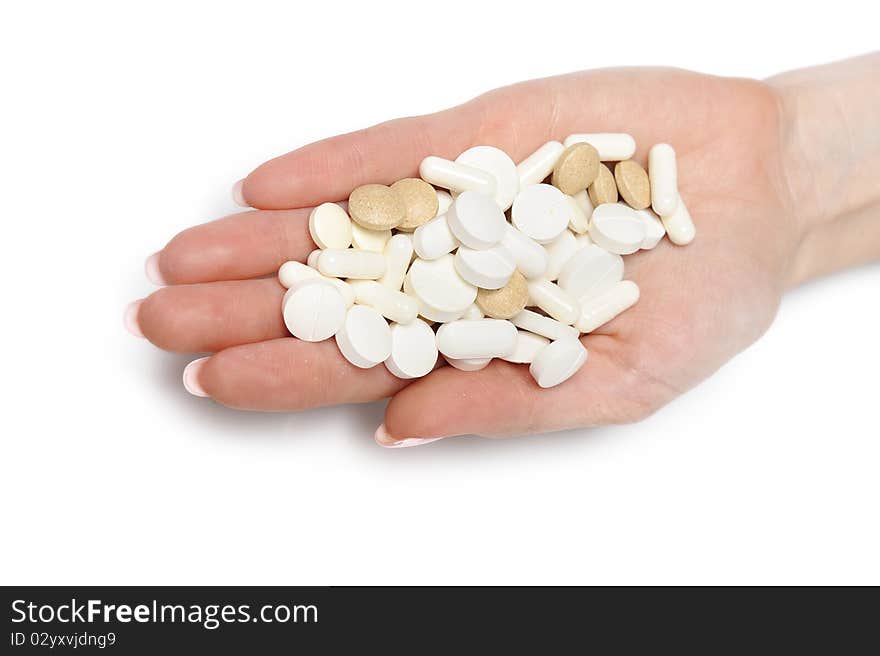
(603, 189)
(576, 168)
(506, 302)
(419, 199)
(632, 182)
(376, 207)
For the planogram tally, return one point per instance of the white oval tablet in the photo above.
(528, 345)
(557, 362)
(488, 269)
(468, 364)
(456, 177)
(428, 312)
(542, 212)
(434, 239)
(330, 226)
(437, 284)
(482, 338)
(369, 240)
(413, 350)
(582, 210)
(590, 272)
(554, 300)
(351, 263)
(365, 338)
(611, 146)
(292, 272)
(313, 312)
(398, 254)
(390, 303)
(654, 229)
(541, 325)
(498, 164)
(617, 228)
(537, 166)
(603, 308)
(529, 255)
(559, 252)
(475, 220)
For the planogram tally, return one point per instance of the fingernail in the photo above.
(130, 318)
(383, 439)
(151, 268)
(191, 377)
(237, 195)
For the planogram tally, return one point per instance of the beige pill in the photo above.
(419, 200)
(576, 168)
(604, 189)
(376, 207)
(632, 182)
(506, 302)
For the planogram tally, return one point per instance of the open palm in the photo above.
(699, 305)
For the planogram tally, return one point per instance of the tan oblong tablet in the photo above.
(506, 302)
(576, 168)
(604, 188)
(376, 207)
(633, 184)
(419, 200)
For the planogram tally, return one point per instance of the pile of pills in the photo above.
(481, 258)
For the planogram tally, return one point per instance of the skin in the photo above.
(779, 176)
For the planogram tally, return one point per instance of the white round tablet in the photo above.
(528, 345)
(475, 220)
(437, 284)
(413, 350)
(617, 228)
(498, 164)
(558, 361)
(313, 311)
(654, 229)
(369, 240)
(468, 364)
(591, 271)
(365, 338)
(488, 269)
(330, 226)
(428, 312)
(542, 212)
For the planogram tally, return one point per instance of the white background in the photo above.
(124, 123)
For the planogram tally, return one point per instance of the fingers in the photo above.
(245, 245)
(287, 374)
(211, 316)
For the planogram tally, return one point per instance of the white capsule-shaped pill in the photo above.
(434, 239)
(611, 146)
(313, 311)
(489, 269)
(468, 364)
(542, 212)
(679, 225)
(312, 259)
(601, 309)
(617, 228)
(476, 220)
(392, 304)
(559, 251)
(473, 312)
(351, 263)
(330, 226)
(482, 338)
(444, 200)
(498, 164)
(557, 362)
(428, 312)
(437, 284)
(591, 271)
(537, 166)
(456, 177)
(582, 210)
(292, 272)
(554, 300)
(654, 228)
(528, 345)
(413, 350)
(364, 338)
(369, 240)
(663, 176)
(398, 254)
(530, 257)
(541, 325)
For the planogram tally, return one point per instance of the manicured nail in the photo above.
(130, 318)
(237, 196)
(151, 268)
(383, 439)
(191, 377)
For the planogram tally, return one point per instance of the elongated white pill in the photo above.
(413, 350)
(611, 146)
(582, 210)
(292, 272)
(590, 272)
(468, 364)
(437, 284)
(541, 325)
(351, 263)
(390, 303)
(559, 251)
(456, 177)
(654, 228)
(603, 308)
(473, 312)
(489, 269)
(364, 338)
(434, 239)
(537, 166)
(330, 226)
(314, 311)
(554, 300)
(398, 254)
(663, 175)
(679, 225)
(557, 362)
(617, 228)
(369, 240)
(542, 212)
(528, 345)
(444, 200)
(475, 220)
(529, 255)
(482, 338)
(498, 164)
(312, 259)
(428, 312)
